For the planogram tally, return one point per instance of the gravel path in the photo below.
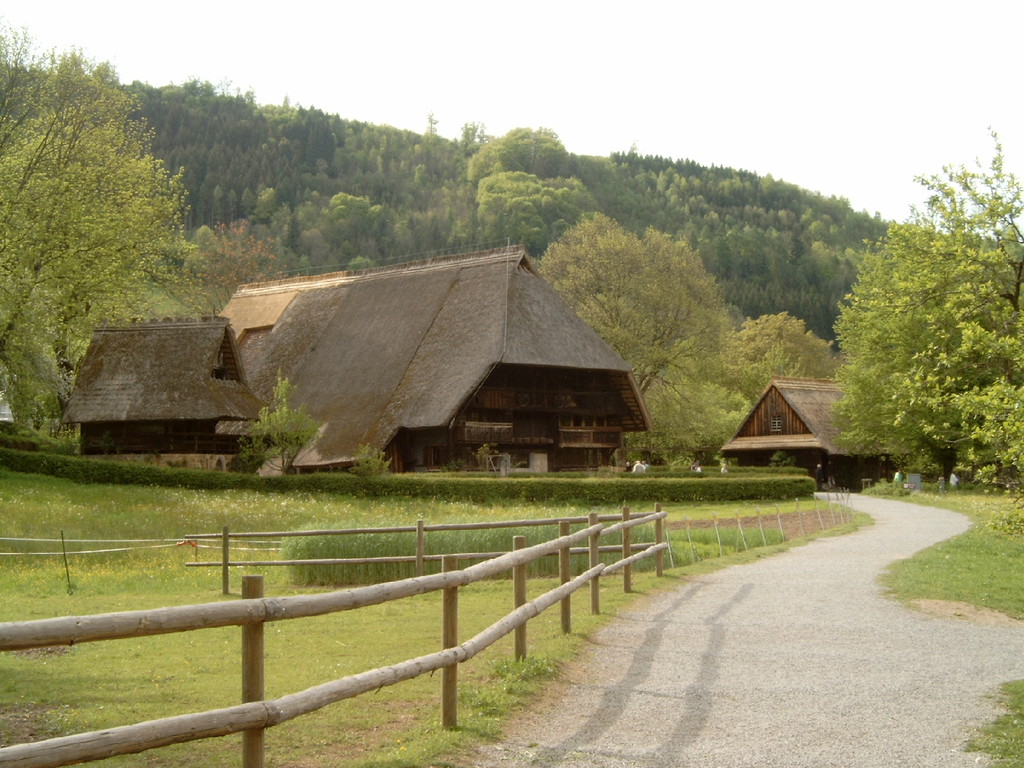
(792, 661)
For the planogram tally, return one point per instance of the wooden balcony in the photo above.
(484, 432)
(589, 437)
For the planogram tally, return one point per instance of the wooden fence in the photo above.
(255, 714)
(420, 558)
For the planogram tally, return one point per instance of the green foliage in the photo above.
(933, 334)
(89, 219)
(1009, 523)
(775, 345)
(652, 300)
(225, 257)
(486, 541)
(280, 431)
(20, 438)
(369, 462)
(517, 679)
(649, 297)
(613, 491)
(483, 455)
(783, 459)
(772, 246)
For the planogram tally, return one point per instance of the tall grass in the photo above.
(473, 544)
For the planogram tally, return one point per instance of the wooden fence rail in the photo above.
(420, 557)
(256, 714)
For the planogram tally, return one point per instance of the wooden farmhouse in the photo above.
(431, 360)
(167, 389)
(794, 417)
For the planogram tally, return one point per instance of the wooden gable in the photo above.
(792, 414)
(773, 416)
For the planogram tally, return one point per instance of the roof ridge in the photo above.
(166, 323)
(306, 282)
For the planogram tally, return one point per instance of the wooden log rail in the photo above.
(421, 529)
(252, 717)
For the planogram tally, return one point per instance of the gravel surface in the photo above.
(795, 660)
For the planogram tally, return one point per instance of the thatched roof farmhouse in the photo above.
(429, 361)
(794, 417)
(164, 387)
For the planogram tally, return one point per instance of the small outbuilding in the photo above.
(793, 418)
(165, 389)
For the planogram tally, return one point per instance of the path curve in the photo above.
(794, 661)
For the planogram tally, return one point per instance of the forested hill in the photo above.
(334, 193)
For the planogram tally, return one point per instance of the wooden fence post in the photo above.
(564, 575)
(627, 551)
(449, 639)
(252, 674)
(519, 597)
(595, 559)
(778, 516)
(225, 558)
(659, 538)
(421, 546)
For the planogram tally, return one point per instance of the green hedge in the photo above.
(475, 487)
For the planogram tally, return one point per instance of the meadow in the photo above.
(137, 560)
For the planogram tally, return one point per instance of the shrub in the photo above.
(1009, 523)
(554, 488)
(370, 463)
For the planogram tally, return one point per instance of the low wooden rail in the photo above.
(251, 613)
(421, 529)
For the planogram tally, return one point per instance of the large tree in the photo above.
(932, 332)
(775, 345)
(652, 300)
(88, 218)
(225, 257)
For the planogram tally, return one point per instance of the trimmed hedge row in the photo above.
(454, 487)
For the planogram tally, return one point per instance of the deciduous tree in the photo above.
(226, 256)
(652, 300)
(88, 219)
(775, 345)
(280, 431)
(933, 332)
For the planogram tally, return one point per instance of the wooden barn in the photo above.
(167, 388)
(431, 360)
(794, 417)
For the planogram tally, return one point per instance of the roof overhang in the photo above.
(779, 443)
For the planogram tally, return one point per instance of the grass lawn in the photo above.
(984, 568)
(99, 685)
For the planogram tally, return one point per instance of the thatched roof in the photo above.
(811, 400)
(162, 371)
(373, 351)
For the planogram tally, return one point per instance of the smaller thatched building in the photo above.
(793, 418)
(166, 388)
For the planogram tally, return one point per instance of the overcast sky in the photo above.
(847, 99)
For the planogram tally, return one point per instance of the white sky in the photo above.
(848, 99)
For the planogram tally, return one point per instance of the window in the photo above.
(776, 423)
